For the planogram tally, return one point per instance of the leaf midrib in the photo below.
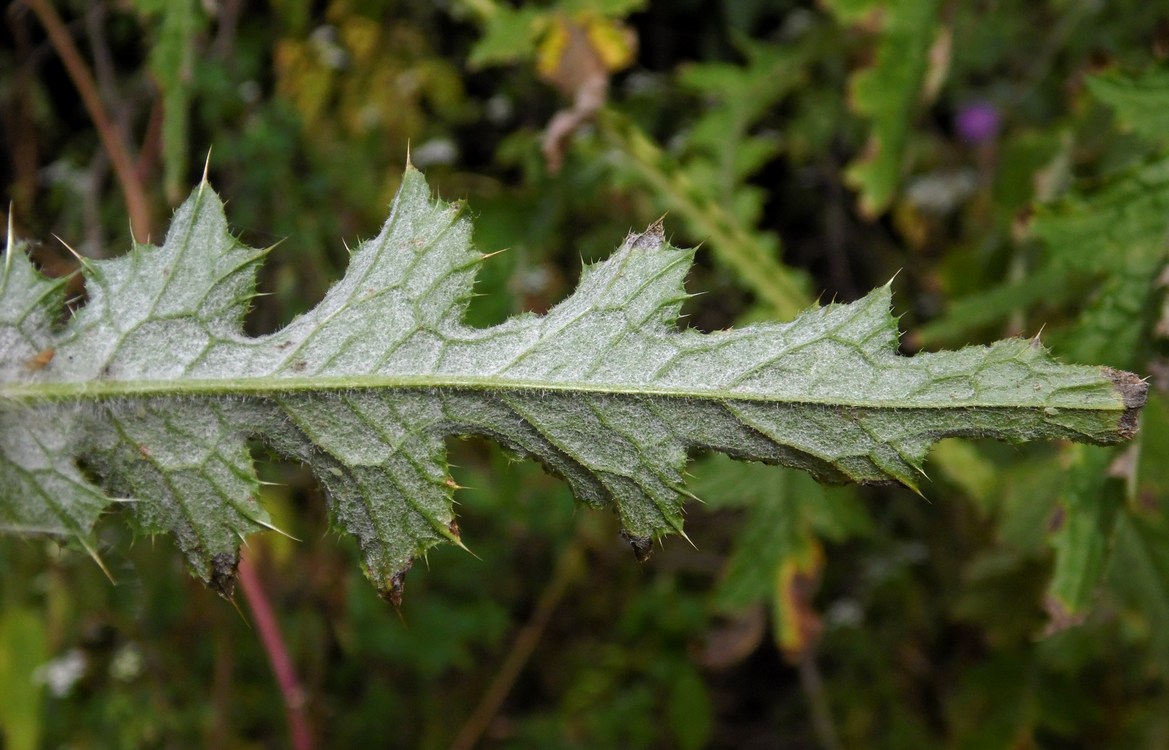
(101, 390)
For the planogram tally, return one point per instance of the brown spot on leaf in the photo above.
(41, 359)
(454, 528)
(299, 365)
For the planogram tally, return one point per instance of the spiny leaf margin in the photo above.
(154, 389)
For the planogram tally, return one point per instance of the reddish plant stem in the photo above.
(278, 657)
(132, 190)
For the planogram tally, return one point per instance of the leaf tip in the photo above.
(652, 238)
(224, 571)
(1133, 392)
(393, 589)
(642, 546)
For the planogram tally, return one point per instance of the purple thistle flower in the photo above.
(977, 122)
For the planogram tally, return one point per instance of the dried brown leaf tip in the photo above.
(397, 587)
(224, 571)
(652, 238)
(642, 546)
(1134, 391)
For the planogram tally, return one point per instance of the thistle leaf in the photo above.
(152, 391)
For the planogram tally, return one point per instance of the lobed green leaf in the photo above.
(150, 392)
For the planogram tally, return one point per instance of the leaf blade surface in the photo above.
(156, 391)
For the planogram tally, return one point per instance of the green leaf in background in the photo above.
(1141, 101)
(754, 256)
(509, 35)
(512, 34)
(1109, 239)
(1140, 576)
(1120, 223)
(689, 709)
(1106, 245)
(1084, 523)
(888, 92)
(1118, 230)
(172, 60)
(739, 96)
(778, 555)
(153, 388)
(1140, 566)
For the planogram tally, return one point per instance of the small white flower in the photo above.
(61, 674)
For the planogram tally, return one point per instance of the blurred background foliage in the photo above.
(1007, 161)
